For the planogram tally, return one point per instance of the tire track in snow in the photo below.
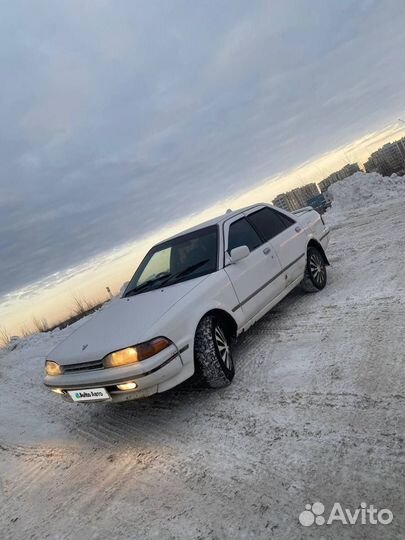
(316, 404)
(33, 473)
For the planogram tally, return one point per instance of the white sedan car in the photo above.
(187, 301)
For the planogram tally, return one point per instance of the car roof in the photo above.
(216, 221)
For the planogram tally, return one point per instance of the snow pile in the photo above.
(365, 189)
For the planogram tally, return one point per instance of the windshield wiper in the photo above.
(166, 278)
(184, 272)
(147, 284)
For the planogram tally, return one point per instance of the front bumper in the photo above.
(153, 375)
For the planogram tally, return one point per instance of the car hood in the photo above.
(122, 323)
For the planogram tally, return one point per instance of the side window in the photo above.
(285, 219)
(241, 233)
(269, 223)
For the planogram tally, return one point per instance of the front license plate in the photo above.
(91, 394)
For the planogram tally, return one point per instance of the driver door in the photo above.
(254, 277)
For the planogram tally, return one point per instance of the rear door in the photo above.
(253, 278)
(286, 237)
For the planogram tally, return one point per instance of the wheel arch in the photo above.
(318, 246)
(230, 325)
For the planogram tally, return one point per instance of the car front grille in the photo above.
(83, 366)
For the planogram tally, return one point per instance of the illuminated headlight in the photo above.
(127, 386)
(53, 368)
(132, 355)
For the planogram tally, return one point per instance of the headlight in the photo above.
(52, 368)
(132, 355)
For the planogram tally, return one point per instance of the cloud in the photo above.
(122, 118)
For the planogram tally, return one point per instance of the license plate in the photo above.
(90, 394)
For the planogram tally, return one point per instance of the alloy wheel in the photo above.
(317, 268)
(223, 347)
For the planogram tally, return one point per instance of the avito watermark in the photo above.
(314, 514)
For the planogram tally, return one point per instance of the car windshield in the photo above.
(184, 257)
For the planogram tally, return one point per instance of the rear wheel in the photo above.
(212, 352)
(315, 272)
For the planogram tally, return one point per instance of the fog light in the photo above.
(127, 386)
(57, 390)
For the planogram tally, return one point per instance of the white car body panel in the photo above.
(245, 291)
(260, 267)
(125, 322)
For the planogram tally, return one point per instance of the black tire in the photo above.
(212, 353)
(315, 277)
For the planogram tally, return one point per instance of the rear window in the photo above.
(285, 219)
(269, 223)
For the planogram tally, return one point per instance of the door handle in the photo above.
(266, 250)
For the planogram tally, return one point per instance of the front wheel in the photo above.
(212, 353)
(315, 271)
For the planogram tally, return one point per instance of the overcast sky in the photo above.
(121, 116)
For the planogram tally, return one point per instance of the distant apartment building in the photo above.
(281, 201)
(296, 198)
(388, 159)
(308, 191)
(346, 171)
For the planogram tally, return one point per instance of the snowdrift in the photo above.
(366, 189)
(361, 191)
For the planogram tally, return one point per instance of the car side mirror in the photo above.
(123, 287)
(239, 253)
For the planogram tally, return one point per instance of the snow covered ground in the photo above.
(316, 413)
